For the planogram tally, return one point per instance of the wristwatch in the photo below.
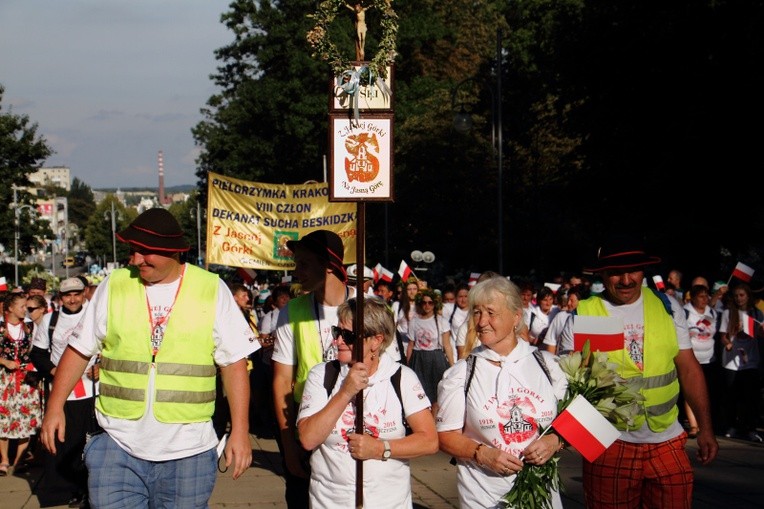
(387, 453)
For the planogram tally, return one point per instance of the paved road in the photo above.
(735, 480)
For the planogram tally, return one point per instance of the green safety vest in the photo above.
(660, 385)
(184, 385)
(307, 340)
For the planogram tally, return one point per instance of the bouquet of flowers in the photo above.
(618, 400)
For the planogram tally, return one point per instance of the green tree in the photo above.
(22, 152)
(98, 233)
(185, 212)
(81, 203)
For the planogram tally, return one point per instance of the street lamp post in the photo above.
(418, 256)
(463, 123)
(16, 234)
(199, 234)
(114, 214)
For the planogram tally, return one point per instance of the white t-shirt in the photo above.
(426, 334)
(554, 329)
(505, 407)
(64, 326)
(701, 327)
(146, 438)
(541, 321)
(387, 484)
(269, 321)
(634, 338)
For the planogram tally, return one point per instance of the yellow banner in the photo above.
(249, 223)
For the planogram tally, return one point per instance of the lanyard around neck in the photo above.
(157, 331)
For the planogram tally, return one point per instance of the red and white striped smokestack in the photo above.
(160, 160)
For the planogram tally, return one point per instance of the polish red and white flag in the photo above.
(749, 326)
(404, 271)
(553, 286)
(474, 276)
(386, 275)
(583, 427)
(659, 284)
(247, 275)
(377, 270)
(3, 285)
(604, 333)
(743, 272)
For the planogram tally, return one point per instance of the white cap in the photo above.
(367, 272)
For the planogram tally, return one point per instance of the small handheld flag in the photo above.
(743, 272)
(603, 332)
(583, 427)
(749, 326)
(404, 271)
(474, 276)
(659, 283)
(387, 275)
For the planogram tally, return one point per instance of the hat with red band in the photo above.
(325, 244)
(621, 252)
(155, 230)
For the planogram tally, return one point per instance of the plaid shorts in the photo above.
(629, 475)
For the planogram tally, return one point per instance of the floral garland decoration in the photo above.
(618, 400)
(325, 49)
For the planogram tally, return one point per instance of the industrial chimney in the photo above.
(160, 160)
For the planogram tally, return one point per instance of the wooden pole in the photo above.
(360, 263)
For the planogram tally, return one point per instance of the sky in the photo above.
(110, 83)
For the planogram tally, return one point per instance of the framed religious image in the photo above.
(353, 88)
(361, 158)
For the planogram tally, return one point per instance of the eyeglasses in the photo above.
(428, 303)
(29, 310)
(348, 336)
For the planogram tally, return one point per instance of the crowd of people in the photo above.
(470, 369)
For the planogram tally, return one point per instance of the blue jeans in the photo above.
(117, 480)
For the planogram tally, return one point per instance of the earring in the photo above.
(373, 356)
(516, 328)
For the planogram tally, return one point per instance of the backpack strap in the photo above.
(331, 372)
(451, 318)
(52, 327)
(540, 359)
(396, 381)
(471, 360)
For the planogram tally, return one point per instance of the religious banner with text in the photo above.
(361, 155)
(249, 223)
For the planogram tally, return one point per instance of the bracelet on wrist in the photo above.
(475, 454)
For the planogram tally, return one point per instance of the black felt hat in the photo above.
(325, 244)
(155, 230)
(621, 252)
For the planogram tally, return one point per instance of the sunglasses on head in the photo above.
(29, 310)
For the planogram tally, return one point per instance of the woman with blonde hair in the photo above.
(494, 405)
(392, 397)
